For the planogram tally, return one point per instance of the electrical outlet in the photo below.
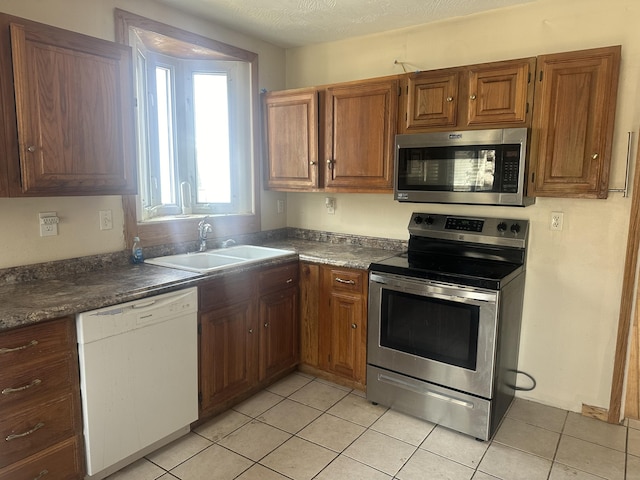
(106, 220)
(557, 218)
(330, 203)
(280, 206)
(48, 223)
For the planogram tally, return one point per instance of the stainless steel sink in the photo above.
(211, 260)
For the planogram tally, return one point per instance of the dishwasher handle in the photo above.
(144, 305)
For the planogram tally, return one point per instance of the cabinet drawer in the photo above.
(277, 278)
(24, 432)
(60, 462)
(23, 345)
(347, 280)
(18, 384)
(226, 290)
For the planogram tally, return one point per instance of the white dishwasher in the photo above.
(138, 377)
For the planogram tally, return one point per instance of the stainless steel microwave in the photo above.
(484, 167)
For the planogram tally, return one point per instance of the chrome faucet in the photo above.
(204, 228)
(227, 243)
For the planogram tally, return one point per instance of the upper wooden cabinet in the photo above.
(573, 123)
(291, 131)
(67, 105)
(359, 132)
(478, 96)
(336, 138)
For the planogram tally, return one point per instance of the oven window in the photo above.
(440, 330)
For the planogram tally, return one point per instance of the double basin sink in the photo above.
(212, 260)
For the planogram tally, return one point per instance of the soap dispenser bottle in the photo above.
(136, 251)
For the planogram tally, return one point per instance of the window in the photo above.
(196, 108)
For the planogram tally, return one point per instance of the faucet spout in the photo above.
(204, 228)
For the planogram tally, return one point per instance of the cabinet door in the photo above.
(499, 93)
(343, 323)
(360, 128)
(291, 122)
(73, 102)
(228, 353)
(279, 332)
(432, 100)
(573, 123)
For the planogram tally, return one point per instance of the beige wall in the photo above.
(574, 276)
(79, 232)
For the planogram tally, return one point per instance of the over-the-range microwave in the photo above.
(484, 167)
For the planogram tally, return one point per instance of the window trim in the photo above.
(185, 229)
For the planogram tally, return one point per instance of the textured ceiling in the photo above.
(291, 23)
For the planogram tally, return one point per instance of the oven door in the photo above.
(440, 333)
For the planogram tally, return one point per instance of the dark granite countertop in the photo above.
(24, 303)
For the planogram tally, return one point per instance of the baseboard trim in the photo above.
(598, 413)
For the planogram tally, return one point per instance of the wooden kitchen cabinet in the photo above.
(248, 333)
(497, 94)
(40, 382)
(334, 323)
(575, 105)
(67, 105)
(336, 138)
(359, 132)
(291, 124)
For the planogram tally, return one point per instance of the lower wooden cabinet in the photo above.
(248, 333)
(41, 421)
(334, 323)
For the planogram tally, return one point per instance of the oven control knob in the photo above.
(502, 227)
(418, 220)
(515, 228)
(429, 220)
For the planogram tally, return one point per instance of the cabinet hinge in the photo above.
(399, 91)
(199, 397)
(527, 110)
(540, 76)
(533, 176)
(529, 78)
(329, 359)
(199, 329)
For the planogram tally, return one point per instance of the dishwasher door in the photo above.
(138, 377)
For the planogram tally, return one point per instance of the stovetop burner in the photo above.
(478, 252)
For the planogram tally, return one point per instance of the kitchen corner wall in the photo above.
(79, 228)
(574, 276)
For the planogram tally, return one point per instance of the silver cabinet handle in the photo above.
(41, 474)
(31, 148)
(473, 97)
(32, 343)
(9, 390)
(290, 280)
(251, 330)
(595, 156)
(449, 99)
(353, 325)
(266, 325)
(347, 282)
(13, 436)
(312, 162)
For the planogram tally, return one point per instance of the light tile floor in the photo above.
(304, 428)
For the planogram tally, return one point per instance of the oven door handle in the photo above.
(428, 288)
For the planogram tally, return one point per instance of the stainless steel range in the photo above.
(444, 321)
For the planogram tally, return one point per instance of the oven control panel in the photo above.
(488, 230)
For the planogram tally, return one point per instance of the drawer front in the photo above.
(24, 432)
(347, 280)
(19, 385)
(277, 278)
(225, 290)
(63, 461)
(32, 343)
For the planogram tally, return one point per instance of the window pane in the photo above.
(211, 112)
(165, 135)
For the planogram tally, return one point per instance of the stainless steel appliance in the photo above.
(475, 167)
(444, 321)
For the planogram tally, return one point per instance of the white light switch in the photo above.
(106, 220)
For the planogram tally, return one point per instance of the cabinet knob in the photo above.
(251, 330)
(31, 148)
(595, 156)
(330, 163)
(354, 326)
(312, 162)
(473, 97)
(449, 99)
(266, 325)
